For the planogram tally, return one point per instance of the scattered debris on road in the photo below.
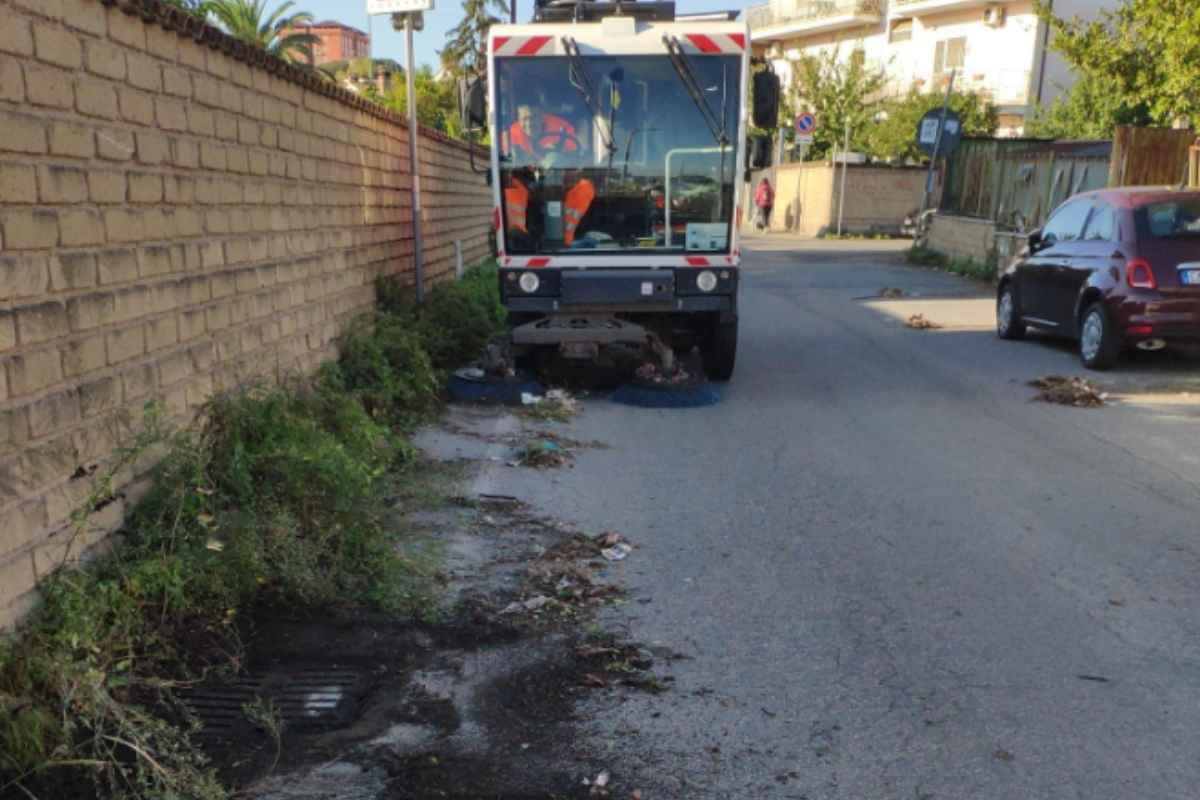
(1093, 678)
(653, 375)
(617, 552)
(891, 291)
(543, 454)
(919, 322)
(556, 405)
(1003, 755)
(535, 603)
(1068, 391)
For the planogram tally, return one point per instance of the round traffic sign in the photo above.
(951, 132)
(806, 123)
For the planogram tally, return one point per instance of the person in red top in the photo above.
(764, 199)
(537, 135)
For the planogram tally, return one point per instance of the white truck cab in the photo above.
(618, 149)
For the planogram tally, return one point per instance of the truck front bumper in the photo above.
(626, 290)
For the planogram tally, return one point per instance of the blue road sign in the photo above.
(806, 123)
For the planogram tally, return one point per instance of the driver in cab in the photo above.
(543, 139)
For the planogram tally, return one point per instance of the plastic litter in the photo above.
(532, 604)
(617, 552)
(471, 374)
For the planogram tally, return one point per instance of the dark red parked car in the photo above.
(1114, 268)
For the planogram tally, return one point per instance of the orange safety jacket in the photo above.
(516, 203)
(554, 123)
(575, 207)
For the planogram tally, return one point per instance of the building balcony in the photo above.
(917, 8)
(787, 19)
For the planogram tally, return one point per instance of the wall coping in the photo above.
(187, 25)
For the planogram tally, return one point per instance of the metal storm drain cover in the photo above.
(319, 698)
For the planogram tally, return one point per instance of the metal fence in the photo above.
(1016, 183)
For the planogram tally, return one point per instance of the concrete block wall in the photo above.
(806, 198)
(962, 237)
(178, 214)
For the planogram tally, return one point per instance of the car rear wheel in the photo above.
(1008, 315)
(1099, 343)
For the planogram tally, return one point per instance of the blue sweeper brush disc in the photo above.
(692, 395)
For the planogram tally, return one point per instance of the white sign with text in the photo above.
(398, 6)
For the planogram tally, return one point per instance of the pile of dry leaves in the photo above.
(919, 322)
(1068, 391)
(564, 577)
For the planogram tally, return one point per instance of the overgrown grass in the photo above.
(967, 267)
(275, 496)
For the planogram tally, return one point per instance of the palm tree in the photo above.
(278, 32)
(466, 52)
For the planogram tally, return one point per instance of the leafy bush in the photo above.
(385, 365)
(456, 320)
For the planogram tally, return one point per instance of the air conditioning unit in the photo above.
(993, 16)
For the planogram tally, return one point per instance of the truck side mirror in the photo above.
(1035, 241)
(759, 155)
(473, 105)
(766, 99)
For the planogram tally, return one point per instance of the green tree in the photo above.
(466, 51)
(1088, 110)
(893, 136)
(838, 90)
(437, 103)
(276, 32)
(1142, 61)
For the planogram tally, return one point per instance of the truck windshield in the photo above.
(620, 158)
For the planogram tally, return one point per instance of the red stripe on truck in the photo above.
(534, 44)
(703, 43)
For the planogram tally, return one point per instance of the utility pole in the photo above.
(845, 166)
(937, 146)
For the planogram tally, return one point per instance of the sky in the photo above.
(387, 43)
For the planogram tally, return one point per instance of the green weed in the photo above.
(275, 495)
(456, 320)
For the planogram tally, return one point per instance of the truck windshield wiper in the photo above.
(577, 74)
(687, 76)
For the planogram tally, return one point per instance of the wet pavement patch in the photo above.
(475, 703)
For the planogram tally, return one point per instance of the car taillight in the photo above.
(1139, 275)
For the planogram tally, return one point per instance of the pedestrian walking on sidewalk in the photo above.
(764, 199)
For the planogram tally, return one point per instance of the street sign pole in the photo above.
(409, 11)
(845, 166)
(414, 165)
(937, 147)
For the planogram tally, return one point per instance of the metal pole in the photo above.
(845, 166)
(937, 147)
(414, 166)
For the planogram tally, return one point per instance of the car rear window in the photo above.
(1169, 219)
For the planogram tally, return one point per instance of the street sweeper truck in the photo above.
(618, 137)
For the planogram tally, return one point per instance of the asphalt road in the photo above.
(889, 573)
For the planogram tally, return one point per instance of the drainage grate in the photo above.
(317, 697)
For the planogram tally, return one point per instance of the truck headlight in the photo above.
(706, 281)
(530, 282)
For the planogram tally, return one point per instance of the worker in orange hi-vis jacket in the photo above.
(538, 136)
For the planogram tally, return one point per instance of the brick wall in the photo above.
(177, 215)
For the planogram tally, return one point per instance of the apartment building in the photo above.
(996, 47)
(337, 42)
